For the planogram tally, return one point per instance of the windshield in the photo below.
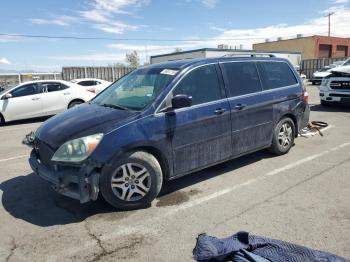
(347, 62)
(136, 90)
(324, 69)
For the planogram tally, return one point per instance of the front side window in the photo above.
(25, 90)
(242, 78)
(138, 89)
(277, 74)
(201, 83)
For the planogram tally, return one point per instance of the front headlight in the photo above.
(77, 150)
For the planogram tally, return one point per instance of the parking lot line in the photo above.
(274, 172)
(13, 158)
(18, 128)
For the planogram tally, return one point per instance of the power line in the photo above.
(128, 39)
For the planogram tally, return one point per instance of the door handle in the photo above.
(35, 98)
(67, 93)
(240, 106)
(219, 111)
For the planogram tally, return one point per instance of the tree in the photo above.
(177, 50)
(133, 59)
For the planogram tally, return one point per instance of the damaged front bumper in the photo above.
(81, 183)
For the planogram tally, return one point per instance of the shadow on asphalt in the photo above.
(27, 121)
(31, 199)
(331, 108)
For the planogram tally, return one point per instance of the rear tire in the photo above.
(133, 182)
(74, 103)
(283, 137)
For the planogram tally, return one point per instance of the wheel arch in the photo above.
(161, 158)
(76, 100)
(295, 121)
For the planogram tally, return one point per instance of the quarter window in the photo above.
(25, 90)
(277, 74)
(242, 78)
(202, 84)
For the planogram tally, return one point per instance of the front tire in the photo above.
(133, 182)
(283, 137)
(2, 120)
(324, 103)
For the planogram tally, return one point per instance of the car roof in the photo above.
(86, 79)
(181, 64)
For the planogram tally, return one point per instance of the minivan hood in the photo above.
(80, 121)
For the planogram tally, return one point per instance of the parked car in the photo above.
(320, 74)
(40, 98)
(164, 121)
(335, 88)
(93, 85)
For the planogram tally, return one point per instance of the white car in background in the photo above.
(93, 85)
(40, 98)
(318, 76)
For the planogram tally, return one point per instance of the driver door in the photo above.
(26, 102)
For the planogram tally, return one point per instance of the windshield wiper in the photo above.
(115, 106)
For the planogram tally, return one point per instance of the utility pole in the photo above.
(329, 22)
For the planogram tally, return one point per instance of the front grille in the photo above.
(44, 153)
(340, 85)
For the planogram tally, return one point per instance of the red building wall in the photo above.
(331, 47)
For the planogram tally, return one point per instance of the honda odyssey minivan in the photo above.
(164, 121)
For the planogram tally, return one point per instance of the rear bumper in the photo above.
(74, 183)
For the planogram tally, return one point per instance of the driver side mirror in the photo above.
(7, 96)
(181, 101)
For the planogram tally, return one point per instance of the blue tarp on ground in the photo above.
(244, 247)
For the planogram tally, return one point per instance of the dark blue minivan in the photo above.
(164, 121)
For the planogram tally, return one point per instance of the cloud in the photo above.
(317, 26)
(340, 2)
(62, 20)
(209, 3)
(103, 13)
(5, 61)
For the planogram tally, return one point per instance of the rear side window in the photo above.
(276, 74)
(202, 84)
(87, 83)
(53, 87)
(242, 78)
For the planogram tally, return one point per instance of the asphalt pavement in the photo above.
(302, 197)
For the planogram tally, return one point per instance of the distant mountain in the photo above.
(9, 71)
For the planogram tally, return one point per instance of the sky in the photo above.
(147, 25)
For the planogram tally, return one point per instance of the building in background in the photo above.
(311, 47)
(293, 57)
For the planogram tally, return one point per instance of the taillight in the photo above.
(92, 90)
(306, 96)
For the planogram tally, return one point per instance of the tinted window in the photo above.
(25, 90)
(202, 84)
(53, 87)
(277, 74)
(87, 83)
(242, 78)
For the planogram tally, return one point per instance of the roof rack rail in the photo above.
(249, 55)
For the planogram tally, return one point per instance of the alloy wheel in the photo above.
(285, 135)
(131, 182)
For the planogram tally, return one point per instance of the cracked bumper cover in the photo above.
(79, 183)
